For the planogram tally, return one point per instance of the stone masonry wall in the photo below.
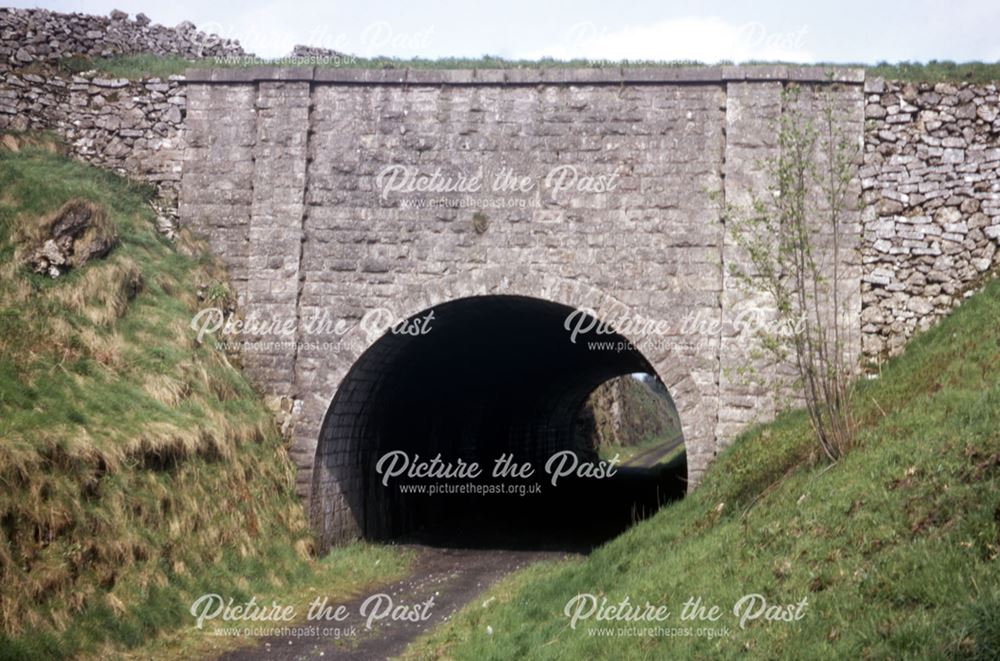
(280, 175)
(280, 166)
(931, 181)
(931, 155)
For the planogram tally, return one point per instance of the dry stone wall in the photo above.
(931, 181)
(30, 36)
(130, 127)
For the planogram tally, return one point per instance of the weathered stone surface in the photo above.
(116, 124)
(946, 155)
(314, 54)
(31, 35)
(315, 233)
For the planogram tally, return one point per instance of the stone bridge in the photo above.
(485, 207)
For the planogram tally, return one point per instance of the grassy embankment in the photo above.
(139, 469)
(895, 547)
(147, 66)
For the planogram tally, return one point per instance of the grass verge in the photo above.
(895, 547)
(139, 469)
(343, 573)
(136, 67)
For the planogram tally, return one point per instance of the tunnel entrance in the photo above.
(473, 382)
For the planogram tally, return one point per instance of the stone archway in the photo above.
(369, 367)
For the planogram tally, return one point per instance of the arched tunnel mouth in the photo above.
(494, 383)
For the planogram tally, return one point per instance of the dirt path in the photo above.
(648, 458)
(454, 577)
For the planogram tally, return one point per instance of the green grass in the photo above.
(148, 66)
(344, 572)
(896, 547)
(937, 72)
(139, 469)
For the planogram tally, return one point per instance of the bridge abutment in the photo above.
(285, 174)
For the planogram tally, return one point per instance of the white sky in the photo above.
(803, 30)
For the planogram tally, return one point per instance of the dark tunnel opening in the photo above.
(488, 377)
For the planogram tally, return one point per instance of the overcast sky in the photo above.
(802, 30)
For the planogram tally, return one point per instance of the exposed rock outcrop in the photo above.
(75, 234)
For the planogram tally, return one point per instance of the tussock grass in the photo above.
(896, 546)
(102, 293)
(138, 469)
